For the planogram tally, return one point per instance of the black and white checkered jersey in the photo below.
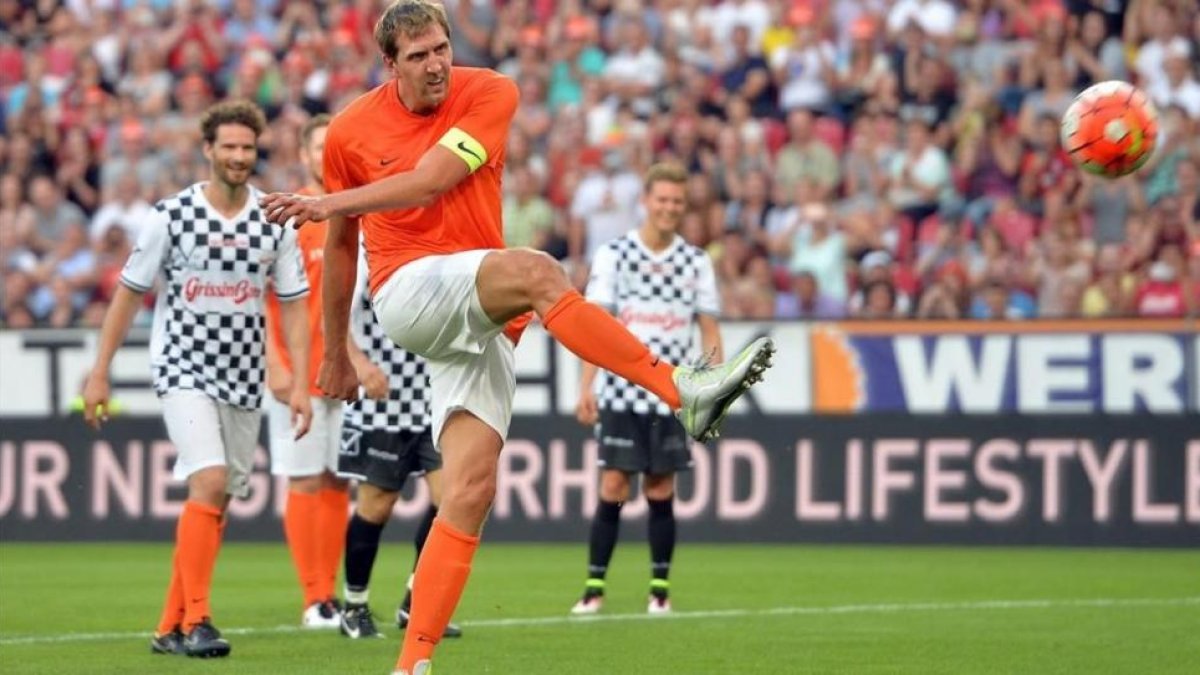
(208, 330)
(657, 296)
(407, 406)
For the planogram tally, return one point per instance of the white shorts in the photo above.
(208, 433)
(317, 451)
(430, 307)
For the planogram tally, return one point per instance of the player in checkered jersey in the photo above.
(660, 287)
(215, 254)
(386, 438)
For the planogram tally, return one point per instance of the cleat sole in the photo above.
(754, 374)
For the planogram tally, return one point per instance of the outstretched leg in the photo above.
(515, 281)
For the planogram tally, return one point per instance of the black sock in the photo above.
(605, 527)
(661, 530)
(419, 543)
(362, 543)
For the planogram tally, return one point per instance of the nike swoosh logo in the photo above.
(462, 145)
(385, 162)
(654, 362)
(352, 633)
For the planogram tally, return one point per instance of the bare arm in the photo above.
(340, 273)
(370, 375)
(438, 170)
(121, 310)
(710, 337)
(279, 377)
(293, 317)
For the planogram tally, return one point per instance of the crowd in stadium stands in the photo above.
(848, 158)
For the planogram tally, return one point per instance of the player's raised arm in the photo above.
(474, 141)
(438, 171)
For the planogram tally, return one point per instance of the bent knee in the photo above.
(473, 493)
(543, 274)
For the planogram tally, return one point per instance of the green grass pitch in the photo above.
(739, 609)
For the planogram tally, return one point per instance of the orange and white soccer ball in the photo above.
(1110, 129)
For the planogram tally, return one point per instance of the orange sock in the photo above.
(442, 572)
(300, 523)
(596, 337)
(331, 528)
(172, 614)
(198, 539)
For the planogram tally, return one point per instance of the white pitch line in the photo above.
(881, 608)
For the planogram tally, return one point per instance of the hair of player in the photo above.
(244, 113)
(665, 172)
(409, 18)
(315, 122)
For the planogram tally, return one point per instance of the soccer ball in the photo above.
(1110, 129)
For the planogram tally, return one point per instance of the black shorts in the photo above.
(655, 444)
(386, 459)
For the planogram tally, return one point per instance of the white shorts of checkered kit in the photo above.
(313, 454)
(208, 433)
(430, 307)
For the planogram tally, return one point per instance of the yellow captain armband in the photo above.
(468, 149)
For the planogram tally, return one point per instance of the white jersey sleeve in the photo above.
(708, 298)
(602, 278)
(149, 253)
(287, 272)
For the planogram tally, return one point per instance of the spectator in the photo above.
(817, 247)
(528, 218)
(1110, 292)
(805, 71)
(577, 59)
(803, 300)
(17, 216)
(879, 301)
(133, 156)
(635, 71)
(876, 268)
(67, 275)
(1112, 202)
(1152, 54)
(1161, 295)
(53, 216)
(146, 83)
(998, 300)
(605, 203)
(862, 70)
(919, 175)
(1177, 86)
(806, 158)
(1098, 56)
(78, 174)
(947, 297)
(1056, 273)
(747, 75)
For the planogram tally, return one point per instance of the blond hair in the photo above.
(665, 172)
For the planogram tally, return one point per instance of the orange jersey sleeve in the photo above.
(376, 137)
(311, 239)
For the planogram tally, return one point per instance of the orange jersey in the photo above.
(376, 137)
(311, 239)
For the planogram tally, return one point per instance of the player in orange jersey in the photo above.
(314, 520)
(416, 163)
